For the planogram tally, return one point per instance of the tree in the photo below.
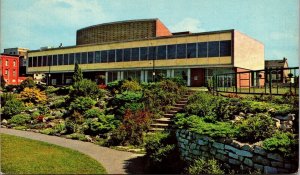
(28, 82)
(2, 82)
(77, 73)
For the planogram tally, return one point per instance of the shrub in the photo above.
(86, 88)
(78, 76)
(60, 128)
(284, 142)
(115, 86)
(255, 128)
(33, 95)
(129, 96)
(82, 104)
(197, 124)
(161, 151)
(71, 126)
(178, 80)
(103, 124)
(13, 107)
(20, 119)
(202, 166)
(27, 83)
(131, 85)
(77, 136)
(6, 97)
(93, 113)
(48, 131)
(132, 128)
(226, 108)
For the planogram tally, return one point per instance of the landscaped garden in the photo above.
(121, 112)
(25, 156)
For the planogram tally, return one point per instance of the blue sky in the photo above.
(36, 23)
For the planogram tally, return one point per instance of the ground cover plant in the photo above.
(20, 155)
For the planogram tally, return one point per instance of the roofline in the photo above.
(119, 22)
(10, 55)
(16, 48)
(161, 37)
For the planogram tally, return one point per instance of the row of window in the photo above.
(189, 50)
(6, 63)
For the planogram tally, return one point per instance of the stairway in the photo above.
(165, 122)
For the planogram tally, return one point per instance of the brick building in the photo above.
(9, 69)
(144, 49)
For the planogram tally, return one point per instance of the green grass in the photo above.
(280, 90)
(25, 156)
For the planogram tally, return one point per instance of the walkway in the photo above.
(115, 162)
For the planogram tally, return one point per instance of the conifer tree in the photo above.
(77, 73)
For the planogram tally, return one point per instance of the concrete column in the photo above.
(172, 73)
(119, 75)
(122, 75)
(106, 77)
(169, 73)
(146, 76)
(189, 77)
(142, 76)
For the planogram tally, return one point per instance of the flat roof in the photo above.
(160, 37)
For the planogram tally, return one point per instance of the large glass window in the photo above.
(135, 54)
(44, 61)
(152, 53)
(39, 61)
(213, 49)
(104, 56)
(90, 57)
(171, 51)
(34, 61)
(161, 52)
(119, 55)
(191, 50)
(97, 57)
(127, 53)
(60, 60)
(54, 60)
(66, 59)
(77, 58)
(112, 56)
(225, 48)
(49, 60)
(181, 50)
(84, 58)
(143, 53)
(202, 50)
(30, 62)
(71, 59)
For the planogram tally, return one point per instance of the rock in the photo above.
(275, 156)
(270, 170)
(261, 160)
(259, 150)
(228, 147)
(233, 155)
(286, 118)
(193, 146)
(202, 142)
(238, 118)
(291, 116)
(221, 151)
(247, 148)
(204, 148)
(89, 138)
(244, 153)
(234, 162)
(218, 145)
(258, 167)
(4, 122)
(236, 144)
(248, 162)
(221, 157)
(213, 151)
(277, 164)
(242, 114)
(196, 152)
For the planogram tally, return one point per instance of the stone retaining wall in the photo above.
(232, 153)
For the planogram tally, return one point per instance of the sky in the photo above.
(36, 23)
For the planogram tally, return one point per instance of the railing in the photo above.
(271, 81)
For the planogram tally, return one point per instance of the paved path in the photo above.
(115, 162)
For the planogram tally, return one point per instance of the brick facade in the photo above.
(10, 69)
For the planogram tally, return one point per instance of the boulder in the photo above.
(4, 122)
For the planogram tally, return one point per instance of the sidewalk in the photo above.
(115, 162)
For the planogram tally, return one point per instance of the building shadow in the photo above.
(136, 165)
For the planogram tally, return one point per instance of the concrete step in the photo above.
(180, 105)
(159, 125)
(172, 111)
(169, 115)
(156, 129)
(163, 120)
(177, 108)
(183, 101)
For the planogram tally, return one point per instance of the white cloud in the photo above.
(187, 24)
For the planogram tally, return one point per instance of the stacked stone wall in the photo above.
(232, 153)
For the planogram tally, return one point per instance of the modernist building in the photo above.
(9, 69)
(144, 49)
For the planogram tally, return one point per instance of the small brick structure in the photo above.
(233, 153)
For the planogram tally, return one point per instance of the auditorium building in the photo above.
(145, 49)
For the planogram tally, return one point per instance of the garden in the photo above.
(121, 112)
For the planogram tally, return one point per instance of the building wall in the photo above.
(161, 29)
(200, 62)
(10, 69)
(243, 79)
(248, 52)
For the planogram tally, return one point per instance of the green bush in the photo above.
(77, 136)
(7, 97)
(115, 86)
(131, 86)
(82, 104)
(86, 88)
(255, 128)
(20, 119)
(101, 125)
(283, 142)
(197, 124)
(161, 151)
(60, 128)
(71, 126)
(27, 83)
(129, 96)
(93, 113)
(13, 107)
(226, 108)
(202, 166)
(48, 131)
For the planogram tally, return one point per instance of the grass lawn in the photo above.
(25, 156)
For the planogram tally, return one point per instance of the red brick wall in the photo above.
(12, 77)
(161, 29)
(197, 77)
(243, 79)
